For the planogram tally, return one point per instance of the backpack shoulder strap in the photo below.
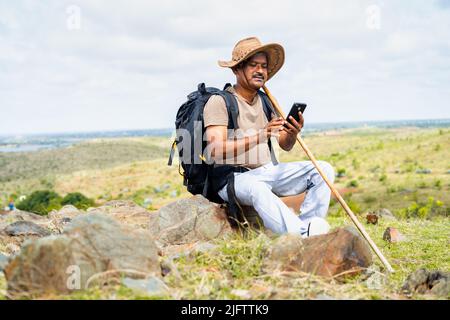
(232, 107)
(269, 111)
(267, 106)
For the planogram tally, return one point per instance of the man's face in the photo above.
(254, 72)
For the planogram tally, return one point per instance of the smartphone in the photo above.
(296, 107)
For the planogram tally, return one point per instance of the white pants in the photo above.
(262, 187)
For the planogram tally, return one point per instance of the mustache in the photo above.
(258, 75)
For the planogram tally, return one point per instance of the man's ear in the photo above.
(236, 68)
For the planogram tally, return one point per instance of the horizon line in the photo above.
(3, 135)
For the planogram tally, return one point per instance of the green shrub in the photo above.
(423, 210)
(78, 200)
(340, 172)
(353, 205)
(438, 184)
(41, 202)
(353, 183)
(383, 178)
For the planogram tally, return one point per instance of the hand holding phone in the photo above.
(296, 107)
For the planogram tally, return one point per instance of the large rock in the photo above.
(68, 211)
(425, 282)
(14, 234)
(326, 255)
(26, 228)
(126, 212)
(60, 218)
(18, 215)
(189, 220)
(22, 215)
(90, 245)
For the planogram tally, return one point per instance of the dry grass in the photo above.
(383, 162)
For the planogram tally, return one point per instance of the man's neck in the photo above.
(246, 93)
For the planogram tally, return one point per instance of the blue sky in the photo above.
(106, 65)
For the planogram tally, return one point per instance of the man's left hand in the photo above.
(292, 126)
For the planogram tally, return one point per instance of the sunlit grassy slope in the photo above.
(379, 168)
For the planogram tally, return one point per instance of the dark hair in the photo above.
(243, 63)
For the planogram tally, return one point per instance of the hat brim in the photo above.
(275, 54)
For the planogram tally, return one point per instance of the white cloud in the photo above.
(131, 64)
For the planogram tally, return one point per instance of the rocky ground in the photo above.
(167, 253)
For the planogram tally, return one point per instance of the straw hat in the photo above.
(245, 48)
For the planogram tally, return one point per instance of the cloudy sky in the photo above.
(105, 65)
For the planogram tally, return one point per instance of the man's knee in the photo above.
(328, 169)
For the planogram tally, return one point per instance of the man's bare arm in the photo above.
(220, 146)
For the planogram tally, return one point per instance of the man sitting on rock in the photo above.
(262, 182)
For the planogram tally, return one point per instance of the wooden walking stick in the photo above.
(333, 189)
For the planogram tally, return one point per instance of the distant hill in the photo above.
(25, 143)
(95, 154)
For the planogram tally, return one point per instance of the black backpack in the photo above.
(199, 175)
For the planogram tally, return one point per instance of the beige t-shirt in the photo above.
(251, 119)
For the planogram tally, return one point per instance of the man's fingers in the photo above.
(290, 125)
(301, 119)
(295, 124)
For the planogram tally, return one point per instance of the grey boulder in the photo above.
(91, 245)
(26, 228)
(189, 221)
